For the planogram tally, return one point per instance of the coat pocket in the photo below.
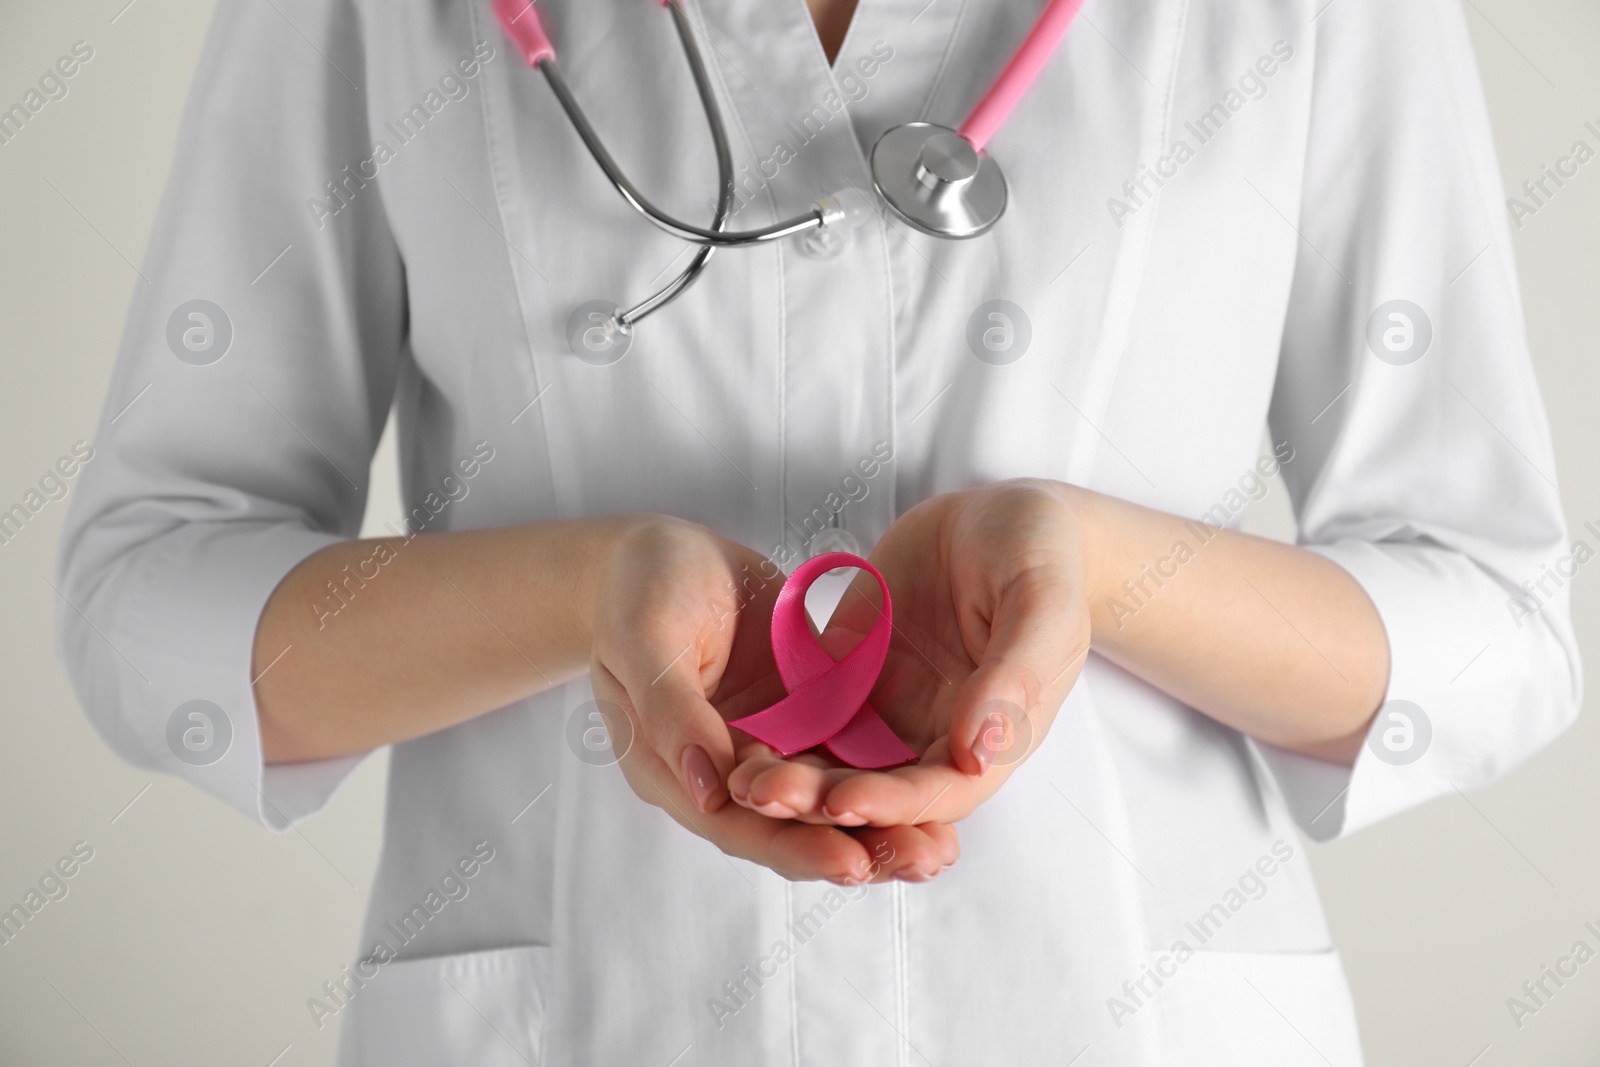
(483, 1009)
(1260, 1009)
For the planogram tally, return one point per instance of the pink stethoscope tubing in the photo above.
(1019, 74)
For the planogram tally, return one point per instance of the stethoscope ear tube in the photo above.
(719, 139)
(535, 46)
(522, 25)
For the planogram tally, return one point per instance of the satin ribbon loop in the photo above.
(827, 701)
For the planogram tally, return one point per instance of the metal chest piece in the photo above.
(934, 179)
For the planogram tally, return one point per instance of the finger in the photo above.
(909, 853)
(932, 791)
(754, 760)
(1038, 640)
(948, 840)
(795, 788)
(795, 850)
(782, 788)
(748, 761)
(804, 853)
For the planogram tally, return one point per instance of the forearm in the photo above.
(1268, 638)
(376, 641)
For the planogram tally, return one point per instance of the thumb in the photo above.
(1038, 641)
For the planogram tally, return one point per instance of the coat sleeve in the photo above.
(255, 372)
(1423, 462)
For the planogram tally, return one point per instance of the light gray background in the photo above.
(194, 938)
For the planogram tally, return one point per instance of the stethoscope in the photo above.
(938, 180)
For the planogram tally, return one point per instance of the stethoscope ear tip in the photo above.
(843, 213)
(936, 182)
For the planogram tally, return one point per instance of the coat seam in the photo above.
(500, 195)
(944, 61)
(732, 111)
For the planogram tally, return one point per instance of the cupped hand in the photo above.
(681, 622)
(991, 628)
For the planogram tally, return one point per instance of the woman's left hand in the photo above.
(991, 627)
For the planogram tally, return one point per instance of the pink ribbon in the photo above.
(827, 701)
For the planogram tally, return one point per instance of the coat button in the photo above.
(833, 539)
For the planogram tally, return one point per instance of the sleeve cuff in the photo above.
(184, 636)
(1469, 697)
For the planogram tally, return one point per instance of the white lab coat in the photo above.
(1165, 334)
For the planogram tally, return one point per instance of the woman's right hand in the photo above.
(680, 621)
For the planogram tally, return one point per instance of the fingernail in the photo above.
(774, 810)
(699, 774)
(985, 756)
(843, 818)
(912, 874)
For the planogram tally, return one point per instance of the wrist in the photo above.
(1091, 511)
(595, 544)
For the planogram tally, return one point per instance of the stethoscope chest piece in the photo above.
(934, 179)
